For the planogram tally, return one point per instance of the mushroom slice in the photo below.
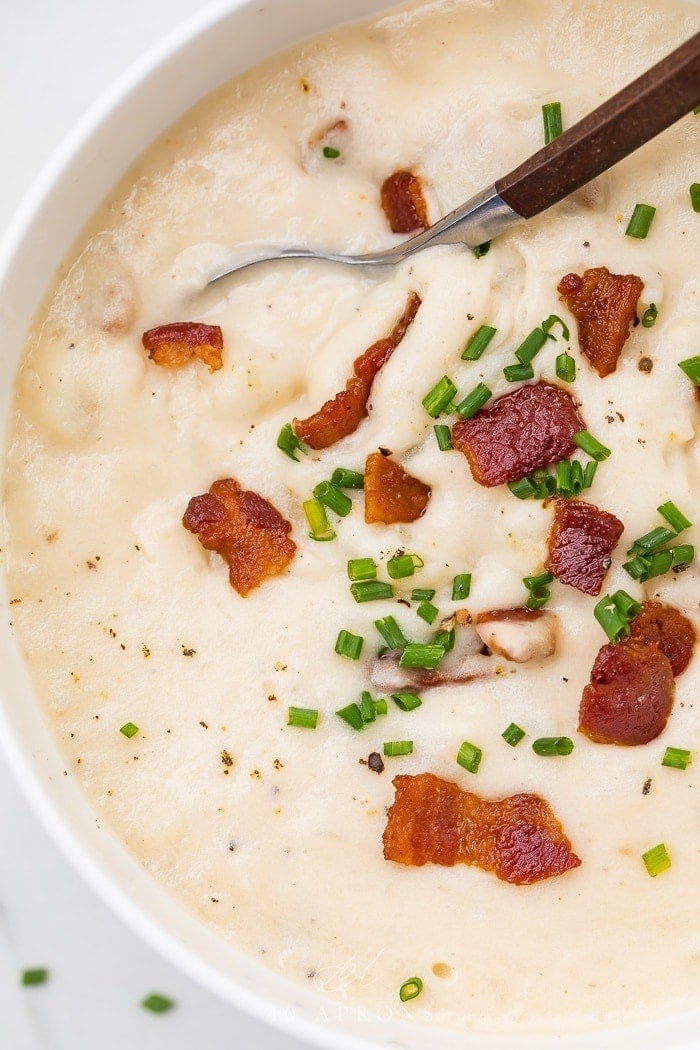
(519, 635)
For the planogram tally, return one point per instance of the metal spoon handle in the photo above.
(661, 96)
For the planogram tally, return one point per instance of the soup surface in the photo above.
(272, 834)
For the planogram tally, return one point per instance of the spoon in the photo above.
(647, 106)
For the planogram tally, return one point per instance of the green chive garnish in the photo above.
(469, 757)
(694, 191)
(565, 367)
(682, 554)
(422, 594)
(443, 437)
(422, 654)
(333, 498)
(589, 473)
(343, 478)
(482, 249)
(436, 400)
(29, 978)
(691, 367)
(613, 620)
(349, 645)
(591, 446)
(461, 586)
(318, 521)
(676, 758)
(652, 540)
(391, 632)
(331, 152)
(518, 373)
(129, 730)
(404, 565)
(524, 488)
(303, 717)
(428, 612)
(538, 586)
(656, 860)
(353, 716)
(410, 989)
(562, 478)
(478, 343)
(371, 591)
(531, 346)
(380, 707)
(362, 569)
(157, 1004)
(396, 748)
(576, 477)
(549, 746)
(549, 324)
(625, 604)
(639, 223)
(649, 316)
(475, 400)
(676, 519)
(513, 734)
(636, 568)
(289, 443)
(367, 708)
(551, 119)
(446, 639)
(406, 701)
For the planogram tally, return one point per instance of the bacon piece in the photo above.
(172, 345)
(342, 414)
(630, 695)
(392, 495)
(605, 305)
(528, 428)
(403, 202)
(248, 532)
(434, 821)
(580, 543)
(667, 627)
(518, 635)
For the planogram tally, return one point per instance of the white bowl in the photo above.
(219, 42)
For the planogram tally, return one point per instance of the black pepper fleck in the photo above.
(375, 762)
(646, 787)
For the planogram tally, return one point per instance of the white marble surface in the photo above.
(56, 56)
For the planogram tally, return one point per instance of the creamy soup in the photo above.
(271, 834)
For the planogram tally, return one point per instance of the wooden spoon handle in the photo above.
(661, 96)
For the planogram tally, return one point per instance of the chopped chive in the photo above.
(549, 746)
(475, 400)
(656, 860)
(577, 479)
(565, 367)
(534, 583)
(404, 565)
(691, 367)
(436, 400)
(524, 488)
(591, 446)
(531, 346)
(29, 978)
(353, 716)
(157, 1004)
(549, 324)
(478, 343)
(513, 734)
(562, 477)
(422, 654)
(538, 586)
(331, 152)
(318, 521)
(362, 569)
(349, 645)
(676, 758)
(333, 498)
(640, 221)
(589, 473)
(289, 443)
(371, 591)
(461, 586)
(649, 316)
(682, 554)
(658, 563)
(343, 478)
(537, 599)
(517, 373)
(391, 632)
(406, 701)
(129, 730)
(428, 612)
(422, 594)
(303, 717)
(694, 191)
(410, 989)
(676, 519)
(469, 757)
(652, 540)
(396, 748)
(636, 568)
(611, 619)
(446, 639)
(551, 119)
(367, 708)
(625, 604)
(380, 707)
(482, 249)
(443, 437)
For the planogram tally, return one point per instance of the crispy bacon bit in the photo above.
(518, 634)
(403, 202)
(630, 695)
(434, 821)
(666, 627)
(172, 345)
(342, 415)
(392, 495)
(605, 306)
(248, 532)
(581, 541)
(528, 428)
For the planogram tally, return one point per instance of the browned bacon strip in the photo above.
(605, 305)
(391, 494)
(173, 345)
(518, 432)
(666, 627)
(342, 414)
(403, 202)
(248, 532)
(581, 540)
(433, 821)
